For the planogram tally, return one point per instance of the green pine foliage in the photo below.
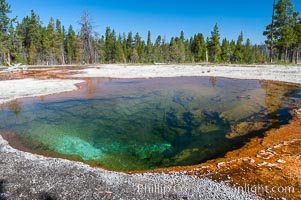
(70, 46)
(283, 34)
(214, 48)
(5, 37)
(198, 48)
(31, 42)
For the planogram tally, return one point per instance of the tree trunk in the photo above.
(271, 53)
(4, 58)
(291, 55)
(297, 55)
(8, 57)
(62, 54)
(272, 34)
(286, 53)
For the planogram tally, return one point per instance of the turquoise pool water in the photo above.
(135, 124)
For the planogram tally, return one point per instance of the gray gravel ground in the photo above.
(27, 176)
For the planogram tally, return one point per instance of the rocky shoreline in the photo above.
(28, 176)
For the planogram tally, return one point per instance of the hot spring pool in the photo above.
(136, 124)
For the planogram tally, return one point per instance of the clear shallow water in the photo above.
(138, 124)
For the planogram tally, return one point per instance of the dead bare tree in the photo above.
(86, 36)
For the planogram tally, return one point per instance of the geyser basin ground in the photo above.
(134, 124)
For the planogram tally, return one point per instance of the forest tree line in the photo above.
(28, 41)
(284, 33)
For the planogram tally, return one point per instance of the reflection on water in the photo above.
(15, 107)
(127, 124)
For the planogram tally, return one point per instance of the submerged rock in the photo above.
(245, 128)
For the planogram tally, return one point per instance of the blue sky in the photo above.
(164, 17)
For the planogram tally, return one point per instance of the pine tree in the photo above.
(32, 54)
(140, 47)
(287, 40)
(31, 30)
(174, 50)
(270, 34)
(225, 51)
(165, 51)
(109, 43)
(189, 58)
(298, 41)
(284, 21)
(181, 47)
(5, 22)
(60, 38)
(248, 56)
(157, 50)
(71, 45)
(99, 49)
(129, 45)
(259, 56)
(238, 55)
(198, 48)
(149, 48)
(11, 37)
(214, 45)
(284, 36)
(52, 41)
(119, 54)
(46, 46)
(232, 51)
(134, 57)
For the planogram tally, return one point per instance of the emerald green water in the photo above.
(139, 124)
